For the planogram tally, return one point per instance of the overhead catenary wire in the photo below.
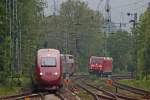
(129, 4)
(99, 4)
(140, 7)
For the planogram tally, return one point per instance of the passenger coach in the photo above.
(68, 64)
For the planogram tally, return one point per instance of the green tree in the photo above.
(119, 46)
(29, 18)
(4, 40)
(30, 15)
(143, 34)
(82, 27)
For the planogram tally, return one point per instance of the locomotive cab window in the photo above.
(70, 57)
(48, 62)
(96, 61)
(63, 58)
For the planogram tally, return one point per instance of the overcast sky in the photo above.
(119, 8)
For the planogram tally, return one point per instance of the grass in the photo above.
(8, 90)
(101, 83)
(84, 95)
(11, 87)
(144, 84)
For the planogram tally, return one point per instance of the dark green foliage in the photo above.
(84, 37)
(143, 44)
(82, 27)
(29, 20)
(119, 46)
(30, 26)
(4, 40)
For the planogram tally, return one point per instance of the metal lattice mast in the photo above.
(108, 16)
(9, 22)
(20, 46)
(148, 5)
(107, 24)
(15, 37)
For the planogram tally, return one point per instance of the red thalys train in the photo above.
(100, 65)
(68, 64)
(48, 69)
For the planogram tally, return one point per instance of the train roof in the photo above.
(97, 57)
(66, 55)
(48, 49)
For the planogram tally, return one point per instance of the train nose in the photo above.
(100, 67)
(49, 76)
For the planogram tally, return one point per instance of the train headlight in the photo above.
(56, 73)
(41, 73)
(100, 66)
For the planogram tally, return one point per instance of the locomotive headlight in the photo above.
(41, 73)
(100, 66)
(56, 73)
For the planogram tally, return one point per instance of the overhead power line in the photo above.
(140, 7)
(129, 4)
(99, 4)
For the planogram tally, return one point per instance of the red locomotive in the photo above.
(48, 69)
(68, 64)
(100, 65)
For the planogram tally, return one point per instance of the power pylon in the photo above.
(14, 35)
(108, 16)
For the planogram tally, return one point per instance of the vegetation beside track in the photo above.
(84, 95)
(8, 90)
(103, 84)
(144, 84)
(14, 86)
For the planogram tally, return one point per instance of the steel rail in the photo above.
(132, 89)
(14, 96)
(104, 91)
(114, 95)
(58, 94)
(24, 95)
(95, 94)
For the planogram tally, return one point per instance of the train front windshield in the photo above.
(96, 61)
(48, 62)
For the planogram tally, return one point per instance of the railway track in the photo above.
(29, 95)
(116, 96)
(63, 94)
(99, 93)
(95, 92)
(66, 94)
(115, 83)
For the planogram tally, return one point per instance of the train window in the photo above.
(48, 62)
(96, 61)
(63, 58)
(70, 57)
